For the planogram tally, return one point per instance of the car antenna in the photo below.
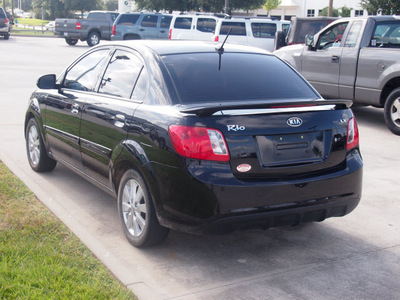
(220, 50)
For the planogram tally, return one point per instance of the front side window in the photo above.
(183, 23)
(206, 24)
(263, 30)
(238, 28)
(150, 21)
(332, 37)
(121, 74)
(209, 77)
(84, 74)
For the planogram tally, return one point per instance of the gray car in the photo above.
(5, 25)
(143, 26)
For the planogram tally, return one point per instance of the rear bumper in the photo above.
(223, 208)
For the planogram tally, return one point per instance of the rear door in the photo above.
(164, 23)
(148, 27)
(107, 116)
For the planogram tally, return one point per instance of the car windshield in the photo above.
(208, 77)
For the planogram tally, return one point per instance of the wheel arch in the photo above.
(133, 156)
(94, 30)
(391, 85)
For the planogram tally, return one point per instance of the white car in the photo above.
(253, 31)
(50, 26)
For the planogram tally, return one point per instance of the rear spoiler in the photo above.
(207, 109)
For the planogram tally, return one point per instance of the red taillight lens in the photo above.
(170, 34)
(114, 30)
(78, 25)
(216, 38)
(199, 143)
(5, 21)
(352, 134)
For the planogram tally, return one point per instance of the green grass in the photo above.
(39, 256)
(32, 22)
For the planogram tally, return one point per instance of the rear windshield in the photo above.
(207, 77)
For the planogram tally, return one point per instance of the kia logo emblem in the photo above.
(294, 122)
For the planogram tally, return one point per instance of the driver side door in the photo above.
(322, 66)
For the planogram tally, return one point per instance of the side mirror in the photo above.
(47, 82)
(309, 40)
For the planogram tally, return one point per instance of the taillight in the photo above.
(78, 25)
(114, 30)
(199, 143)
(170, 34)
(216, 39)
(352, 134)
(5, 21)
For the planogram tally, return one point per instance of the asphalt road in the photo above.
(354, 257)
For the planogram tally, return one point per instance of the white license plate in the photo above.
(65, 33)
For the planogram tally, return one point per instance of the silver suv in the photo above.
(141, 26)
(5, 25)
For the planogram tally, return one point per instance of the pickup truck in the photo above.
(97, 26)
(354, 58)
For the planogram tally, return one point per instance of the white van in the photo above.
(253, 31)
(194, 27)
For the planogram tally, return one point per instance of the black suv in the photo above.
(197, 137)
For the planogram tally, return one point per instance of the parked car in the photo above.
(198, 137)
(97, 26)
(199, 27)
(357, 59)
(141, 26)
(5, 25)
(50, 26)
(252, 31)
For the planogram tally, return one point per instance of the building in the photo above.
(309, 8)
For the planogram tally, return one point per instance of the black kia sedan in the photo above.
(198, 137)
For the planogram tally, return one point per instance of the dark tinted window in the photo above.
(183, 23)
(121, 74)
(238, 28)
(263, 30)
(165, 21)
(2, 13)
(150, 21)
(206, 24)
(84, 74)
(128, 19)
(241, 77)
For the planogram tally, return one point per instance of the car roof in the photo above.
(166, 47)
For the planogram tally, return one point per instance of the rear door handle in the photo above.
(335, 58)
(119, 120)
(75, 109)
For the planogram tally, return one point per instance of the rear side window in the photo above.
(165, 21)
(263, 30)
(150, 21)
(97, 16)
(208, 77)
(121, 74)
(206, 24)
(129, 20)
(386, 35)
(183, 23)
(2, 13)
(238, 28)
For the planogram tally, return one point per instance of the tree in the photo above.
(345, 11)
(271, 4)
(111, 5)
(388, 7)
(324, 12)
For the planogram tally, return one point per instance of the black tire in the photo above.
(131, 37)
(93, 39)
(71, 42)
(392, 111)
(6, 36)
(37, 155)
(136, 211)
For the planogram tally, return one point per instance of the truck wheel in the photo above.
(6, 36)
(136, 211)
(392, 111)
(93, 39)
(71, 42)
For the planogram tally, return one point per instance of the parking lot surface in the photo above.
(354, 257)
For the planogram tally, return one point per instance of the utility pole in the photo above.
(227, 7)
(330, 8)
